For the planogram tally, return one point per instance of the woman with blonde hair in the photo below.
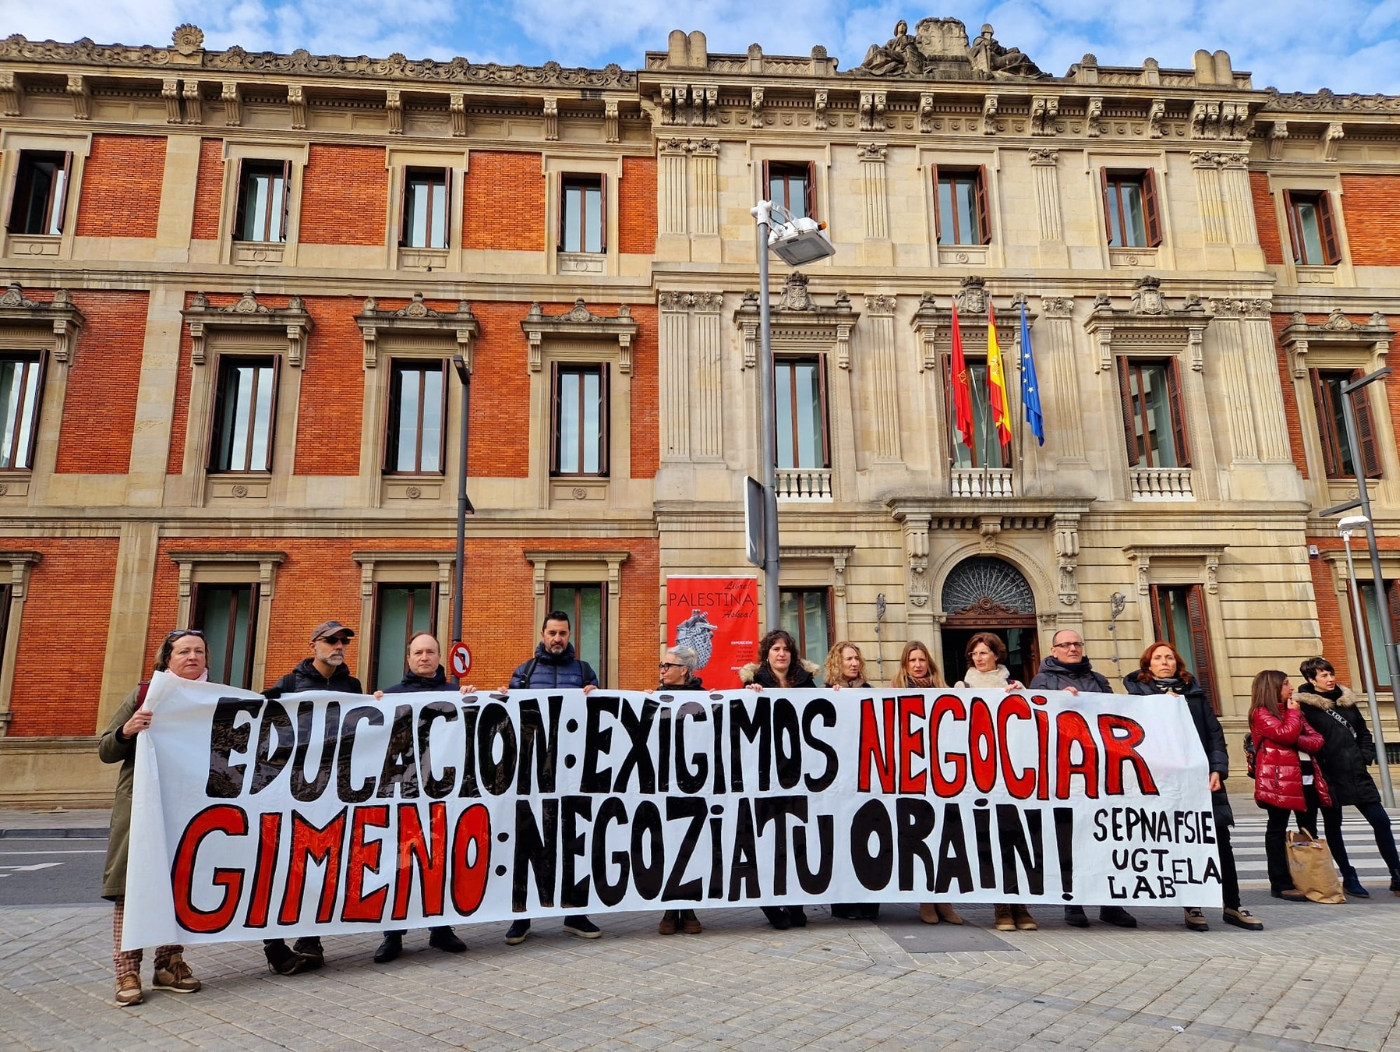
(917, 669)
(845, 666)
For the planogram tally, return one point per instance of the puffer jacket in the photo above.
(306, 677)
(1347, 749)
(1056, 675)
(412, 683)
(1278, 773)
(563, 670)
(805, 675)
(1208, 729)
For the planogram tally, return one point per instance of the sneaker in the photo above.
(517, 932)
(928, 913)
(668, 923)
(445, 939)
(309, 946)
(1118, 916)
(582, 927)
(1196, 919)
(1242, 918)
(1075, 917)
(283, 961)
(1024, 920)
(777, 916)
(129, 990)
(390, 948)
(175, 975)
(690, 924)
(1001, 916)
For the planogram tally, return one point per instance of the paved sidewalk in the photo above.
(1318, 977)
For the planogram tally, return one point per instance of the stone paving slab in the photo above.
(1317, 977)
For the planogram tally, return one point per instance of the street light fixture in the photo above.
(798, 240)
(1346, 527)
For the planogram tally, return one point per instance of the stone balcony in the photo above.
(1161, 483)
(981, 482)
(807, 484)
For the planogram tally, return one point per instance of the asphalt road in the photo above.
(51, 871)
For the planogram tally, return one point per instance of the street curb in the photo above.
(53, 834)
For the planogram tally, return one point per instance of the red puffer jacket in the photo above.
(1278, 775)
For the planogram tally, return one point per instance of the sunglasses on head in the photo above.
(185, 632)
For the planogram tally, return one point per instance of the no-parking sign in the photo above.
(459, 659)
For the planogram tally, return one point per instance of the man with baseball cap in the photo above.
(325, 669)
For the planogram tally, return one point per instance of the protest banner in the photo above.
(324, 813)
(717, 617)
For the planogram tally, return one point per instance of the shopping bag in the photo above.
(1312, 868)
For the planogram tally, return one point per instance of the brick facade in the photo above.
(636, 216)
(103, 380)
(344, 196)
(1371, 204)
(208, 190)
(332, 390)
(503, 203)
(121, 186)
(1266, 218)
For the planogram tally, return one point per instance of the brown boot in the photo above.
(690, 924)
(129, 990)
(1024, 920)
(947, 913)
(668, 923)
(928, 913)
(1003, 918)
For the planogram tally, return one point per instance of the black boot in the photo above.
(445, 939)
(777, 916)
(390, 948)
(1351, 883)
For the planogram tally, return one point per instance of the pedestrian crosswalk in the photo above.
(1247, 837)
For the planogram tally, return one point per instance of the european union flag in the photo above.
(1030, 386)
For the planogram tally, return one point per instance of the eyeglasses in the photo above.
(336, 641)
(669, 664)
(1067, 646)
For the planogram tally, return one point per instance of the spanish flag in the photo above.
(996, 381)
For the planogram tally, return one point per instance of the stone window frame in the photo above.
(245, 328)
(1154, 257)
(260, 253)
(12, 142)
(251, 567)
(426, 566)
(1284, 179)
(987, 161)
(584, 566)
(1185, 564)
(557, 165)
(819, 160)
(51, 329)
(812, 567)
(397, 161)
(21, 563)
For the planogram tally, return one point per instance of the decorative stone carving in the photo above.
(819, 99)
(794, 296)
(580, 323)
(1093, 116)
(233, 104)
(939, 49)
(1337, 330)
(1057, 306)
(1067, 558)
(551, 118)
(988, 56)
(170, 92)
(989, 111)
(698, 301)
(610, 121)
(972, 298)
(756, 106)
(393, 108)
(872, 111)
(248, 315)
(417, 317)
(1045, 110)
(1330, 138)
(81, 95)
(925, 323)
(1147, 296)
(1046, 156)
(60, 314)
(187, 39)
(457, 112)
(926, 112)
(1149, 323)
(194, 103)
(296, 101)
(1156, 113)
(797, 315)
(10, 93)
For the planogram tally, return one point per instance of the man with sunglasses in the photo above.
(1069, 670)
(325, 669)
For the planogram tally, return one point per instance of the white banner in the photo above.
(327, 813)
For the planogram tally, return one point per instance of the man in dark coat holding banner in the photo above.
(1069, 670)
(424, 673)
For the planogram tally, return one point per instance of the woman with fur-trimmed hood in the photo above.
(1348, 749)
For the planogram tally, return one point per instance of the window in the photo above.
(1152, 416)
(425, 195)
(792, 185)
(587, 607)
(580, 445)
(1130, 209)
(583, 214)
(806, 615)
(21, 382)
(41, 191)
(1179, 617)
(962, 206)
(1332, 428)
(262, 201)
(1311, 227)
(799, 386)
(401, 611)
(227, 615)
(987, 450)
(417, 406)
(243, 415)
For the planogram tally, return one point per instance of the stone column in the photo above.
(1236, 382)
(1262, 366)
(920, 616)
(1206, 167)
(704, 175)
(884, 381)
(707, 393)
(1047, 192)
(1239, 202)
(872, 171)
(1067, 425)
(671, 188)
(673, 375)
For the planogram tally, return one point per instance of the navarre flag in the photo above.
(996, 381)
(1030, 386)
(962, 391)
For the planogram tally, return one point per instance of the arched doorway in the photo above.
(985, 594)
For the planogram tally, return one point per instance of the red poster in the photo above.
(717, 617)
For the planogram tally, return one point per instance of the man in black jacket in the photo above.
(424, 673)
(1069, 670)
(325, 669)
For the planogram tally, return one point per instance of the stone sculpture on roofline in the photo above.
(939, 49)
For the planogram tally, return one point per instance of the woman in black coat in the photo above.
(1349, 749)
(1162, 671)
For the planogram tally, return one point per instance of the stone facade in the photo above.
(144, 283)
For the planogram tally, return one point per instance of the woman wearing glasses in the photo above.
(678, 673)
(184, 654)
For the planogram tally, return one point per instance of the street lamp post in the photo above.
(1363, 650)
(464, 505)
(797, 240)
